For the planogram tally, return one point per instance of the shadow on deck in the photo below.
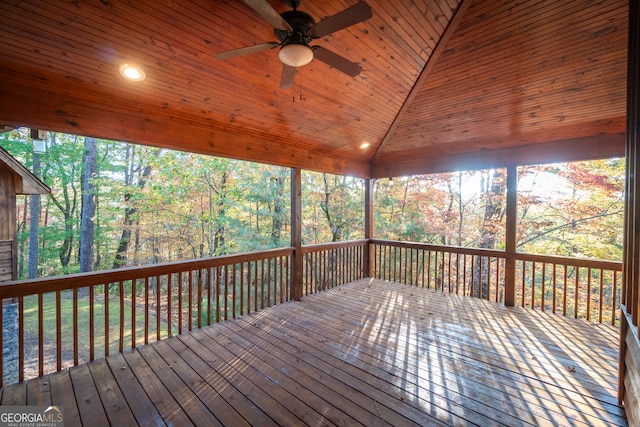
(369, 352)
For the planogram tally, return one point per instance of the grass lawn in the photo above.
(67, 331)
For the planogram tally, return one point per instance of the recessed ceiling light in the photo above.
(131, 72)
(364, 145)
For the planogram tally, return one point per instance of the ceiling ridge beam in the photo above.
(435, 55)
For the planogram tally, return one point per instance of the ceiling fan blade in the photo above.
(352, 15)
(288, 75)
(246, 50)
(265, 10)
(336, 61)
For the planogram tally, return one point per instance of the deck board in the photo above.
(368, 353)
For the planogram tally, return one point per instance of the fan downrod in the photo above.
(293, 3)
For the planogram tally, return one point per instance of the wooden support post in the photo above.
(368, 228)
(628, 386)
(510, 246)
(631, 282)
(296, 234)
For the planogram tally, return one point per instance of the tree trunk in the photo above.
(336, 229)
(495, 190)
(87, 225)
(34, 224)
(277, 219)
(130, 211)
(219, 237)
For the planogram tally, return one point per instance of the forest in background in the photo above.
(116, 204)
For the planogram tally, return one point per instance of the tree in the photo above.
(34, 222)
(87, 224)
(137, 171)
(65, 169)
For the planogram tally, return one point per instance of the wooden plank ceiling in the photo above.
(446, 84)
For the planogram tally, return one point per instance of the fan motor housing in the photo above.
(301, 23)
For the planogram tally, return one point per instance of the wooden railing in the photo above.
(463, 271)
(51, 324)
(63, 321)
(328, 265)
(580, 288)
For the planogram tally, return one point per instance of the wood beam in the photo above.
(368, 226)
(296, 234)
(433, 59)
(118, 121)
(588, 148)
(629, 370)
(510, 237)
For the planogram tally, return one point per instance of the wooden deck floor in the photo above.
(370, 352)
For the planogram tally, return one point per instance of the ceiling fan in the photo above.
(295, 30)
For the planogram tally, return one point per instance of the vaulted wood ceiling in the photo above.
(446, 84)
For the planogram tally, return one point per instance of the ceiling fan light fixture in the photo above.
(295, 55)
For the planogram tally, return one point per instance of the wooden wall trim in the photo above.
(588, 148)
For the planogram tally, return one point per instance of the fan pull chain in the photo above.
(302, 98)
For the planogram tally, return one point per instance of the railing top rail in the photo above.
(441, 248)
(523, 256)
(18, 288)
(333, 245)
(574, 262)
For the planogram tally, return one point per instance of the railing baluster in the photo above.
(555, 286)
(589, 294)
(121, 332)
(169, 304)
(542, 290)
(199, 297)
(614, 297)
(564, 291)
(105, 289)
(270, 277)
(600, 296)
(282, 279)
(133, 312)
(464, 274)
(75, 328)
(533, 285)
(58, 334)
(21, 338)
(577, 294)
(190, 295)
(180, 304)
(497, 278)
(449, 272)
(242, 284)
(524, 277)
(146, 310)
(40, 335)
(287, 275)
(158, 308)
(255, 286)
